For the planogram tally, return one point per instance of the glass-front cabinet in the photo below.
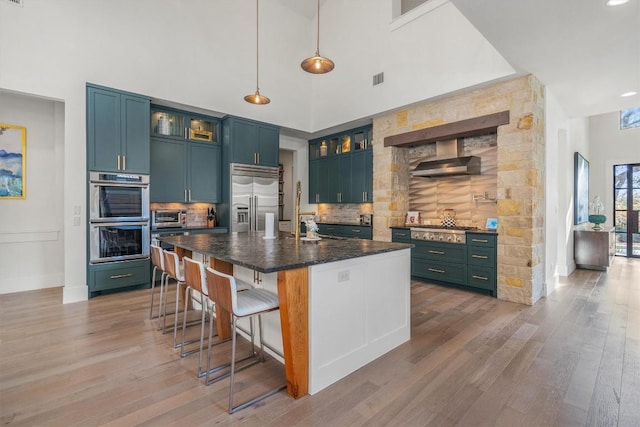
(341, 167)
(180, 125)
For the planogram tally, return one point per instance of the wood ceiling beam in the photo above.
(469, 127)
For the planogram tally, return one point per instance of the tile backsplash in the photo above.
(347, 213)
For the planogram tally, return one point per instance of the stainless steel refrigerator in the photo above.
(254, 192)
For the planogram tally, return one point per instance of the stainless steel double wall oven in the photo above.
(118, 217)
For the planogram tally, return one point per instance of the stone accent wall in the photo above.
(520, 176)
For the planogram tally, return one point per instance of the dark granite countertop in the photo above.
(282, 253)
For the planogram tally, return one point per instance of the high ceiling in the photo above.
(586, 53)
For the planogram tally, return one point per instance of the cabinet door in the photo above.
(345, 182)
(332, 177)
(135, 134)
(168, 170)
(368, 176)
(204, 172)
(103, 129)
(358, 175)
(243, 142)
(268, 145)
(314, 183)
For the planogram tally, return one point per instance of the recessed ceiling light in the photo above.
(616, 2)
(629, 93)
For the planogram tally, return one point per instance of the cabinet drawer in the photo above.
(400, 235)
(482, 256)
(118, 275)
(330, 230)
(440, 252)
(482, 277)
(474, 239)
(444, 271)
(357, 232)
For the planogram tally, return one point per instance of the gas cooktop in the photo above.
(442, 227)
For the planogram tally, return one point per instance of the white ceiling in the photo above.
(586, 53)
(583, 51)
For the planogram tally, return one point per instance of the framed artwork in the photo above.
(581, 189)
(13, 158)
(413, 217)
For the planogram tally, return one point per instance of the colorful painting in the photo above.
(13, 144)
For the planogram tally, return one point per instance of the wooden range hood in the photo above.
(470, 127)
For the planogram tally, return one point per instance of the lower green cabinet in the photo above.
(343, 230)
(111, 276)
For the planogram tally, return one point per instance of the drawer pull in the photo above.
(436, 252)
(480, 277)
(479, 256)
(480, 240)
(435, 270)
(401, 234)
(355, 231)
(122, 276)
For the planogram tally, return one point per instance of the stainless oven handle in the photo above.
(119, 184)
(119, 223)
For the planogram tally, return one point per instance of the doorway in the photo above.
(626, 202)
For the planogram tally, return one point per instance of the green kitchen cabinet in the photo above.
(183, 125)
(185, 171)
(401, 235)
(250, 142)
(113, 276)
(117, 131)
(341, 168)
(482, 261)
(344, 230)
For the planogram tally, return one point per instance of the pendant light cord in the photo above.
(318, 39)
(257, 50)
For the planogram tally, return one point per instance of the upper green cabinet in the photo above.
(250, 142)
(117, 131)
(341, 168)
(186, 161)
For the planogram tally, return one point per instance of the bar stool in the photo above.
(175, 270)
(157, 259)
(250, 303)
(195, 280)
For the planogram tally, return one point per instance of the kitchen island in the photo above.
(343, 302)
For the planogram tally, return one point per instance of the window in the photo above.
(630, 118)
(407, 5)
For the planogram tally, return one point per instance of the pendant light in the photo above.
(256, 98)
(317, 64)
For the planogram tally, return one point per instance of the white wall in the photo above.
(609, 146)
(31, 230)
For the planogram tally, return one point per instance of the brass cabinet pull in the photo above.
(185, 195)
(480, 277)
(436, 252)
(124, 163)
(401, 234)
(479, 256)
(480, 240)
(435, 270)
(355, 230)
(122, 276)
(118, 162)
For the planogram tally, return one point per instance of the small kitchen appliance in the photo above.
(366, 219)
(168, 218)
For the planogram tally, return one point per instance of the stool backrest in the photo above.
(194, 275)
(222, 289)
(171, 263)
(157, 258)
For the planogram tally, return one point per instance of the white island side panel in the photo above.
(359, 309)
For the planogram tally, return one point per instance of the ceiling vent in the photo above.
(16, 2)
(378, 79)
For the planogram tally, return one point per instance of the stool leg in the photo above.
(233, 363)
(153, 286)
(163, 301)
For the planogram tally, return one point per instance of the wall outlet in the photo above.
(76, 221)
(343, 276)
(76, 209)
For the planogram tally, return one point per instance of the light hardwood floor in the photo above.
(571, 359)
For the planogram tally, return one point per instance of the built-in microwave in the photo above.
(118, 197)
(168, 219)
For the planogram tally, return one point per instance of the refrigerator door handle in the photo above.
(255, 213)
(250, 213)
